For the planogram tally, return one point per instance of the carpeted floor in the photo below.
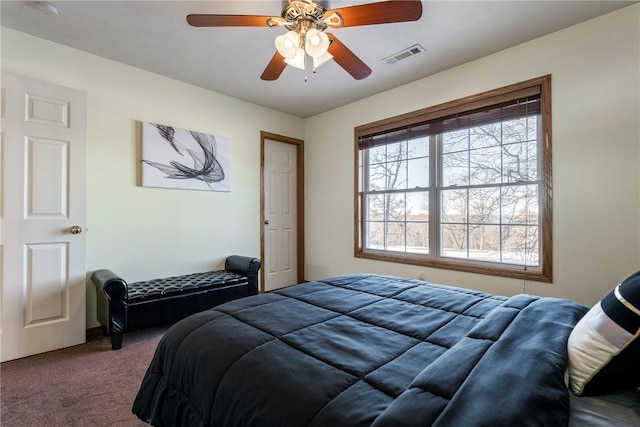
(85, 385)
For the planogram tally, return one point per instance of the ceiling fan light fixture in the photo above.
(316, 43)
(287, 44)
(319, 61)
(298, 59)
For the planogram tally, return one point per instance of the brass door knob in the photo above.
(75, 229)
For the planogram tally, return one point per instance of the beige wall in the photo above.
(595, 69)
(147, 232)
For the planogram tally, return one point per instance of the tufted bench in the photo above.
(124, 307)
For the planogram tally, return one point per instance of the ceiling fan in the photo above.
(307, 21)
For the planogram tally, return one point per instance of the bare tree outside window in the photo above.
(398, 217)
(495, 217)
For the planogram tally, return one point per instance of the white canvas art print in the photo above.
(179, 158)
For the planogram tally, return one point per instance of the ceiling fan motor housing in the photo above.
(295, 10)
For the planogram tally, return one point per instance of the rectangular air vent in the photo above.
(403, 54)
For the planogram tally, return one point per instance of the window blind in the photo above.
(450, 121)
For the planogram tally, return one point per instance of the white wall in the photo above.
(595, 69)
(143, 233)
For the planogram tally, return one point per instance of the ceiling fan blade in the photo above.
(385, 12)
(227, 20)
(347, 59)
(274, 68)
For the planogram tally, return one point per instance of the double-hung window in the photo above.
(464, 185)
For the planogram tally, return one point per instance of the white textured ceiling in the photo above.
(154, 36)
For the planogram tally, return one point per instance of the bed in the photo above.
(365, 350)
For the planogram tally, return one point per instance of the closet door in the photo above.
(283, 213)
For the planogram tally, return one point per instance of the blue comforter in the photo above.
(362, 350)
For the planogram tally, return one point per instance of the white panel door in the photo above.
(280, 213)
(43, 280)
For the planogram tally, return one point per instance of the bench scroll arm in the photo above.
(245, 266)
(111, 307)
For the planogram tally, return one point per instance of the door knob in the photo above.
(266, 222)
(75, 229)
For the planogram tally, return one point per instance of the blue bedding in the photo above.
(361, 350)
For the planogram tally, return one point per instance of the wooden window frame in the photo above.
(542, 272)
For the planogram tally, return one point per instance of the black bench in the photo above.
(124, 307)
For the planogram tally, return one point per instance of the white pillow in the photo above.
(603, 346)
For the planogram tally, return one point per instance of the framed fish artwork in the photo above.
(179, 158)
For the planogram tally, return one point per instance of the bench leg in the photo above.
(116, 342)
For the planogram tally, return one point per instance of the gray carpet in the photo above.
(85, 385)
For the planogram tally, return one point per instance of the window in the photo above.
(465, 185)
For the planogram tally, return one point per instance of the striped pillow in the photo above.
(604, 351)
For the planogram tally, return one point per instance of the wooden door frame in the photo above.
(299, 195)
